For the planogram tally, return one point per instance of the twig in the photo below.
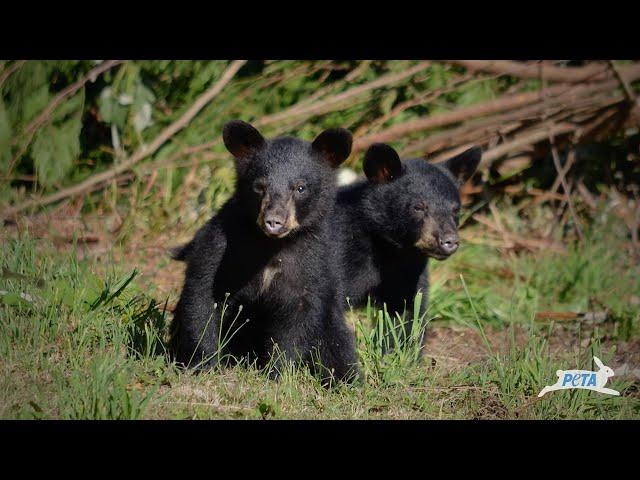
(571, 158)
(7, 73)
(592, 317)
(498, 222)
(328, 88)
(213, 405)
(533, 135)
(421, 99)
(143, 152)
(587, 197)
(556, 162)
(623, 81)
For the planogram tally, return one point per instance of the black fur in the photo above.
(271, 247)
(383, 218)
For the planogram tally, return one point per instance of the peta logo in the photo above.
(585, 379)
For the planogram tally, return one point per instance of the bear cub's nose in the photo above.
(273, 225)
(449, 243)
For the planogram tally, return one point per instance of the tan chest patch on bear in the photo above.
(269, 273)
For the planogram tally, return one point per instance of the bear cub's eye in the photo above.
(258, 186)
(301, 188)
(420, 207)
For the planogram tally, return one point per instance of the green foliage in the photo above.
(5, 137)
(57, 145)
(130, 104)
(389, 346)
(476, 92)
(101, 390)
(127, 102)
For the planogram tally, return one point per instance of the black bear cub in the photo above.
(405, 213)
(272, 250)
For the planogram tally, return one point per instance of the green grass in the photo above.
(89, 342)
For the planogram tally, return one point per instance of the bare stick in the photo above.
(625, 84)
(329, 103)
(422, 99)
(7, 73)
(141, 153)
(571, 158)
(551, 73)
(565, 187)
(529, 138)
(503, 104)
(476, 128)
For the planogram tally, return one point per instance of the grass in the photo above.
(85, 338)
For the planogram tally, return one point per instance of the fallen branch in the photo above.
(143, 152)
(423, 99)
(470, 132)
(631, 96)
(532, 136)
(327, 104)
(499, 105)
(551, 73)
(565, 187)
(593, 317)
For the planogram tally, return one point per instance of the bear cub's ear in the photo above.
(241, 139)
(464, 165)
(381, 163)
(334, 145)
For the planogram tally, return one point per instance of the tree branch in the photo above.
(7, 73)
(495, 124)
(531, 70)
(322, 106)
(141, 153)
(499, 105)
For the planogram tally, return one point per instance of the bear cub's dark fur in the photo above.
(403, 214)
(272, 249)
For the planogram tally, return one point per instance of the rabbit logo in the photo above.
(584, 379)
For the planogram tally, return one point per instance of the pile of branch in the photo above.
(583, 103)
(574, 104)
